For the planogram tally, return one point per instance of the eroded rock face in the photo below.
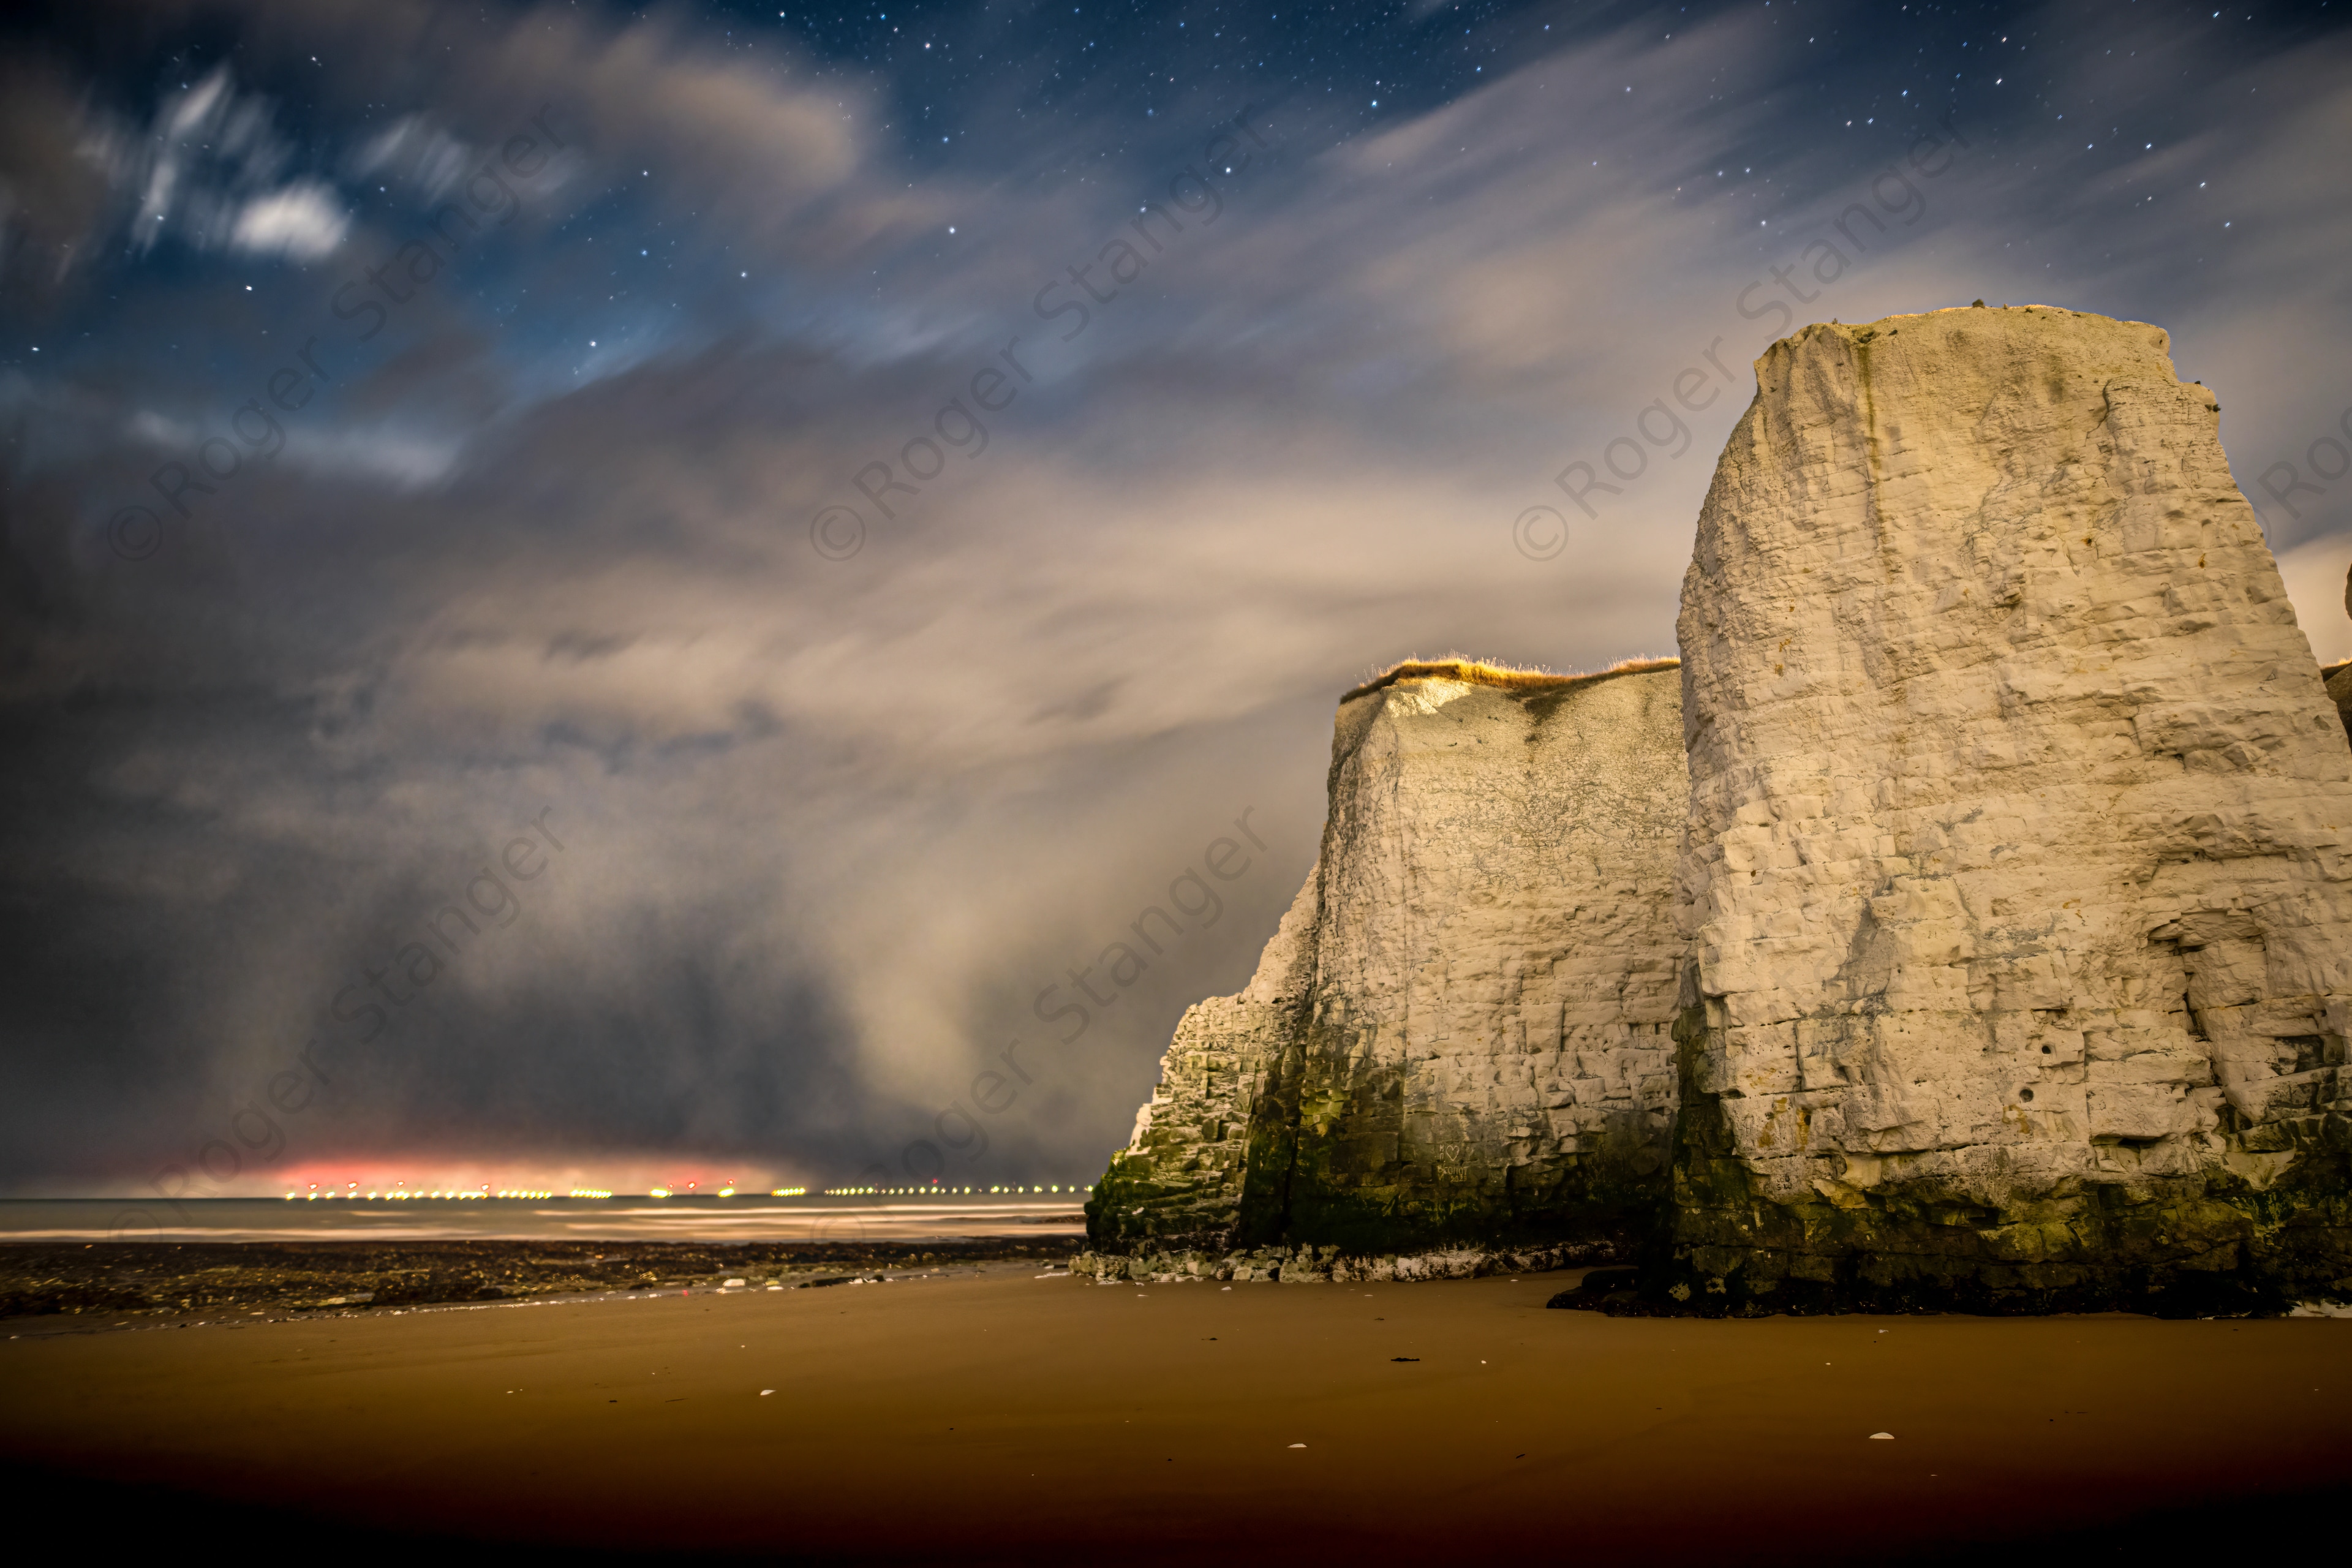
(1461, 1032)
(1210, 1150)
(2021, 921)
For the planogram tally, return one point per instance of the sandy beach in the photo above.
(989, 1413)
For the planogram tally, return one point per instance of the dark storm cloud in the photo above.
(544, 543)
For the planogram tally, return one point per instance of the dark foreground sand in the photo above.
(1002, 1416)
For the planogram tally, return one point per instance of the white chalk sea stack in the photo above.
(2021, 921)
(1976, 930)
(1462, 1029)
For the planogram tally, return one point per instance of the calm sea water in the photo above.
(746, 1218)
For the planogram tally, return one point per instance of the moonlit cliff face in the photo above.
(1460, 1032)
(2021, 919)
(2010, 953)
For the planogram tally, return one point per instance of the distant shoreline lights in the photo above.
(399, 1193)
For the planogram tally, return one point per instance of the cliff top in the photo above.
(1479, 672)
(2052, 315)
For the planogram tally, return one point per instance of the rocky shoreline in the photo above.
(46, 1280)
(1330, 1266)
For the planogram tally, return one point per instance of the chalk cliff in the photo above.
(1461, 1030)
(2021, 921)
(1967, 921)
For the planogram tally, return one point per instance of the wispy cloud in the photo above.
(302, 220)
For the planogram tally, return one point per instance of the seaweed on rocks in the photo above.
(85, 1279)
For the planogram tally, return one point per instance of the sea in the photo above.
(814, 1219)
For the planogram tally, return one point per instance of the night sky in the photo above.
(602, 596)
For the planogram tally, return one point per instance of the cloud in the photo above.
(405, 460)
(2315, 574)
(302, 221)
(206, 161)
(206, 157)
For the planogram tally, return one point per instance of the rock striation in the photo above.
(1461, 1032)
(2022, 923)
(1966, 921)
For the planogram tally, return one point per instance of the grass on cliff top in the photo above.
(1479, 672)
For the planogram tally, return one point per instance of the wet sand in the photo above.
(996, 1416)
